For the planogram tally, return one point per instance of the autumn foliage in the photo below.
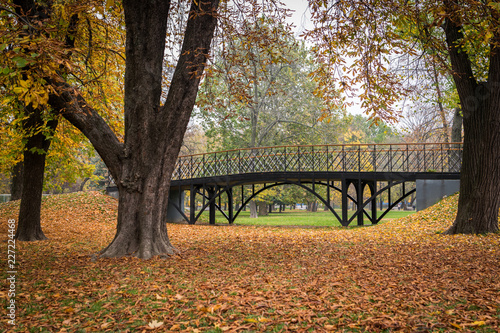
(400, 276)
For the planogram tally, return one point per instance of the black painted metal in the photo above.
(213, 174)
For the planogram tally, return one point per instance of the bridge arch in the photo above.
(212, 193)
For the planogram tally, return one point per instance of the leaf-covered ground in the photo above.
(401, 276)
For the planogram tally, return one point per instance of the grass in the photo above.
(298, 218)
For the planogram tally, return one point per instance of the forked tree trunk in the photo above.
(142, 166)
(154, 133)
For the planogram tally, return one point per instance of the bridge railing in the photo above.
(404, 157)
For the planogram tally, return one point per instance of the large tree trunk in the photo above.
(142, 230)
(479, 199)
(154, 133)
(37, 145)
(16, 186)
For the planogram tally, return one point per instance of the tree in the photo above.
(38, 45)
(258, 93)
(466, 32)
(143, 164)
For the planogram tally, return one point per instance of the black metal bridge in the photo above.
(336, 167)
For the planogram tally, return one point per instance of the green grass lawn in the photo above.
(298, 218)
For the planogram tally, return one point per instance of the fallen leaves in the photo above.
(155, 324)
(399, 276)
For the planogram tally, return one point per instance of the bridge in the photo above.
(376, 167)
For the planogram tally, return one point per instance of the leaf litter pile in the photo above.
(400, 276)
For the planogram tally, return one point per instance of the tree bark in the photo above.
(479, 199)
(37, 145)
(262, 208)
(253, 209)
(16, 186)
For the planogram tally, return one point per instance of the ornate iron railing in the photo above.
(401, 157)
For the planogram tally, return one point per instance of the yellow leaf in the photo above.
(251, 320)
(456, 325)
(478, 323)
(175, 327)
(19, 90)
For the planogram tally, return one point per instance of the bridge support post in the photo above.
(373, 203)
(211, 198)
(345, 218)
(192, 204)
(360, 185)
(230, 205)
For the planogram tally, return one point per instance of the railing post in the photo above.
(343, 159)
(215, 167)
(313, 159)
(298, 158)
(425, 160)
(375, 158)
(359, 158)
(285, 159)
(191, 167)
(442, 160)
(203, 168)
(407, 159)
(327, 162)
(390, 158)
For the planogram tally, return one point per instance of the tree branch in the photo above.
(460, 62)
(75, 109)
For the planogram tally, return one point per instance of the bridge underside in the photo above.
(320, 184)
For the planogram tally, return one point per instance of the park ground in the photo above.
(399, 276)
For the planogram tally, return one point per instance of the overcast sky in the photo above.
(300, 17)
